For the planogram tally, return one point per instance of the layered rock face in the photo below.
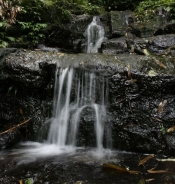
(136, 60)
(137, 85)
(123, 33)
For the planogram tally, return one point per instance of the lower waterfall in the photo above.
(74, 92)
(79, 121)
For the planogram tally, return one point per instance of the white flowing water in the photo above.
(86, 91)
(77, 93)
(95, 36)
(60, 122)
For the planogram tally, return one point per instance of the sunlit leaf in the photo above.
(161, 105)
(129, 71)
(132, 80)
(171, 129)
(152, 171)
(12, 39)
(151, 179)
(78, 182)
(145, 51)
(145, 159)
(29, 181)
(152, 73)
(119, 168)
(60, 54)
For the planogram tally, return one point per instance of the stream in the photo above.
(39, 163)
(76, 143)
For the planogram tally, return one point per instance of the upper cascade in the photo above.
(95, 36)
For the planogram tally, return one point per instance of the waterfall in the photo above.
(95, 36)
(89, 90)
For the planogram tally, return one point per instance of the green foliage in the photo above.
(4, 38)
(31, 21)
(147, 8)
(32, 10)
(34, 16)
(29, 181)
(67, 7)
(33, 31)
(163, 130)
(116, 5)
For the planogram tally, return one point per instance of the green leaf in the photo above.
(3, 44)
(31, 33)
(40, 35)
(29, 181)
(10, 38)
(163, 130)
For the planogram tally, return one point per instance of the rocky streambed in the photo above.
(83, 167)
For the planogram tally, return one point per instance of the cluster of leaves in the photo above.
(116, 5)
(24, 14)
(75, 7)
(8, 14)
(33, 17)
(33, 31)
(147, 9)
(4, 38)
(31, 21)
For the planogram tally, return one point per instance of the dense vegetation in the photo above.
(32, 18)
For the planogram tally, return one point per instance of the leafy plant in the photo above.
(4, 38)
(116, 5)
(33, 31)
(31, 21)
(148, 8)
(8, 13)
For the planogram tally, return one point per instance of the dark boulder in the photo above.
(159, 44)
(115, 46)
(135, 96)
(26, 86)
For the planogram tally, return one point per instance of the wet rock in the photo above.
(25, 89)
(166, 29)
(30, 70)
(119, 22)
(115, 46)
(170, 138)
(86, 135)
(49, 49)
(159, 44)
(8, 140)
(79, 23)
(133, 117)
(71, 37)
